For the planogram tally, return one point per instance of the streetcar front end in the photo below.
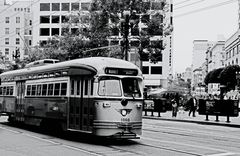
(118, 108)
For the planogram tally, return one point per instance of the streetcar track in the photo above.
(198, 135)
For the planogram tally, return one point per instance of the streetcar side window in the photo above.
(33, 90)
(39, 88)
(86, 87)
(72, 87)
(92, 83)
(1, 90)
(57, 89)
(50, 89)
(28, 90)
(8, 90)
(4, 90)
(11, 90)
(44, 89)
(63, 88)
(78, 87)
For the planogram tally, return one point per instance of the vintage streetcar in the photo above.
(101, 96)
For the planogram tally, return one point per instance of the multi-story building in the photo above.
(215, 56)
(15, 29)
(187, 75)
(232, 50)
(44, 19)
(159, 74)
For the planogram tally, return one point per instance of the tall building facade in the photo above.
(215, 56)
(232, 49)
(159, 74)
(43, 19)
(199, 52)
(15, 29)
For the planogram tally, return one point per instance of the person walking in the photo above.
(174, 108)
(193, 106)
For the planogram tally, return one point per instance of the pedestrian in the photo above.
(193, 106)
(174, 108)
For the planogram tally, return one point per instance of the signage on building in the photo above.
(214, 88)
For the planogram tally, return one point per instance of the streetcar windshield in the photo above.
(131, 87)
(109, 86)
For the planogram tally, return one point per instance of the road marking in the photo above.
(221, 154)
(13, 131)
(66, 146)
(190, 145)
(52, 142)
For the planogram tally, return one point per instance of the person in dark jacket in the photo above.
(193, 106)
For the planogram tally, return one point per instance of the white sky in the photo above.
(207, 25)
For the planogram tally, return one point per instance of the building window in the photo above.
(17, 40)
(7, 20)
(65, 19)
(65, 6)
(17, 30)
(85, 6)
(6, 31)
(236, 61)
(30, 32)
(55, 19)
(75, 6)
(6, 51)
(156, 70)
(44, 32)
(55, 6)
(145, 70)
(157, 6)
(234, 51)
(145, 18)
(64, 31)
(44, 6)
(114, 42)
(6, 40)
(17, 19)
(55, 31)
(44, 19)
(30, 22)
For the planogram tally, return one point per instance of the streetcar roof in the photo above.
(96, 65)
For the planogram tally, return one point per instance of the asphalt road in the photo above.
(160, 138)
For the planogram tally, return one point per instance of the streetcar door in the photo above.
(80, 112)
(20, 88)
(74, 110)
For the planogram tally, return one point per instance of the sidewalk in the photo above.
(182, 116)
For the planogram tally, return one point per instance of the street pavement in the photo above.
(182, 116)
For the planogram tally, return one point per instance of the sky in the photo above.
(204, 25)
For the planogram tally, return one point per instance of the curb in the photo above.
(194, 121)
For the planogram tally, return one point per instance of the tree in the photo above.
(114, 11)
(213, 76)
(228, 76)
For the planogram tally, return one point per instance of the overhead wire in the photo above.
(182, 2)
(205, 8)
(200, 1)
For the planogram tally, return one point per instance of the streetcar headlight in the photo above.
(106, 105)
(139, 105)
(124, 112)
